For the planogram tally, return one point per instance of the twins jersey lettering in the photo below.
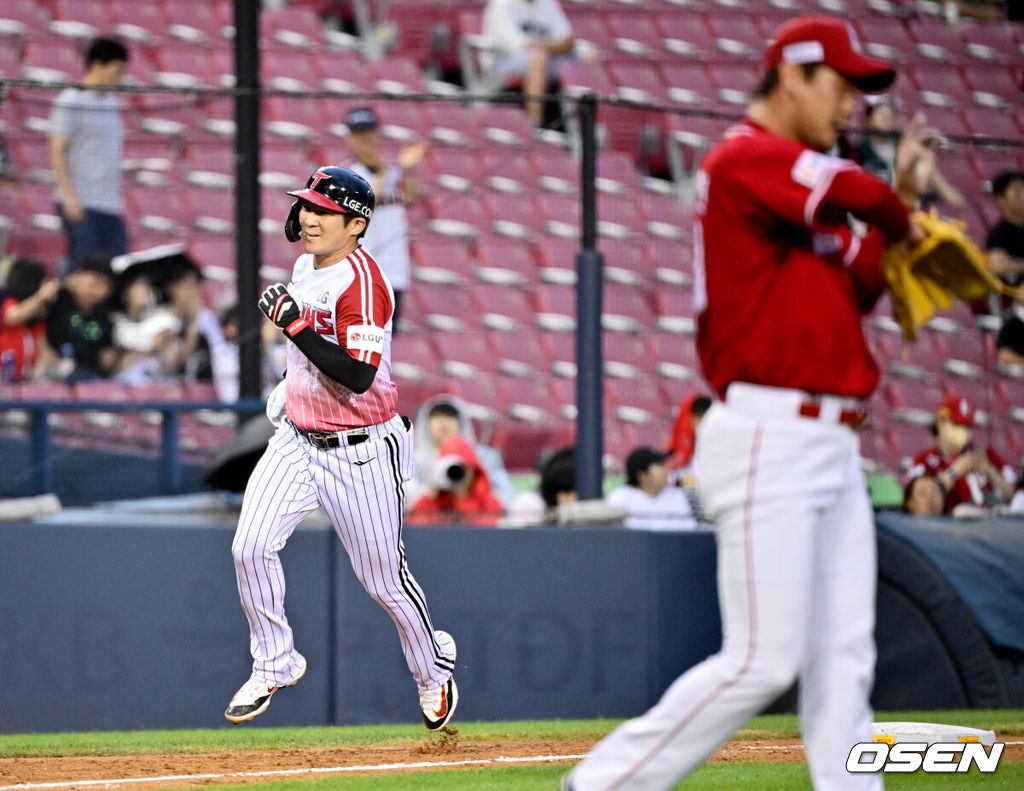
(349, 303)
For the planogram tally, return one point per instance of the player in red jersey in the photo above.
(781, 286)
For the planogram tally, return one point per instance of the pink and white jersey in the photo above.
(349, 303)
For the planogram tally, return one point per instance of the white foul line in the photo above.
(306, 770)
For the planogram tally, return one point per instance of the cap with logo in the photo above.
(336, 189)
(831, 41)
(361, 119)
(957, 409)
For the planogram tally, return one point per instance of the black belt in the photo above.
(325, 440)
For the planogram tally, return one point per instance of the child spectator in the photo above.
(23, 349)
(79, 326)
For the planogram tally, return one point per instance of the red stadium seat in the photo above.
(686, 34)
(500, 253)
(506, 308)
(442, 253)
(522, 354)
(635, 34)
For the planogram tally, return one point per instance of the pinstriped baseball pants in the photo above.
(362, 489)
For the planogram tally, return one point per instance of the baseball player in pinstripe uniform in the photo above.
(340, 445)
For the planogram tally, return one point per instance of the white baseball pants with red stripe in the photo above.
(362, 489)
(796, 586)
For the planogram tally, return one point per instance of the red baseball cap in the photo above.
(958, 410)
(823, 39)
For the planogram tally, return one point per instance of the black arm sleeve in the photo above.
(334, 361)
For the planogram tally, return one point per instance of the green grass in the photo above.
(246, 738)
(711, 777)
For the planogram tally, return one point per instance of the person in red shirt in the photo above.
(23, 303)
(781, 283)
(968, 474)
(460, 490)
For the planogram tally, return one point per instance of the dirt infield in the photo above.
(441, 751)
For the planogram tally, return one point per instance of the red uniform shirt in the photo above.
(349, 303)
(781, 283)
(969, 488)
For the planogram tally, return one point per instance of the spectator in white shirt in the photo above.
(527, 38)
(652, 504)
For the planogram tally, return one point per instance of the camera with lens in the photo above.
(449, 472)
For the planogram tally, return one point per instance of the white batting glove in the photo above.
(276, 403)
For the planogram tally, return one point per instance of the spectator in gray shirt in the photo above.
(86, 136)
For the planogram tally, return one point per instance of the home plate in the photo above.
(930, 732)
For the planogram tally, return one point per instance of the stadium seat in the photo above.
(22, 18)
(636, 81)
(580, 78)
(626, 307)
(52, 59)
(557, 299)
(447, 308)
(293, 26)
(461, 209)
(639, 402)
(442, 254)
(737, 36)
(994, 122)
(936, 39)
(414, 355)
(563, 353)
(531, 399)
(465, 355)
(513, 216)
(199, 21)
(941, 84)
(522, 354)
(635, 34)
(506, 308)
(590, 27)
(689, 84)
(885, 38)
(344, 72)
(675, 354)
(991, 43)
(506, 125)
(685, 34)
(426, 33)
(452, 124)
(734, 81)
(501, 254)
(1003, 82)
(290, 70)
(140, 21)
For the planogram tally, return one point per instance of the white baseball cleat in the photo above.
(439, 704)
(253, 697)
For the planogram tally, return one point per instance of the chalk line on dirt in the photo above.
(305, 770)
